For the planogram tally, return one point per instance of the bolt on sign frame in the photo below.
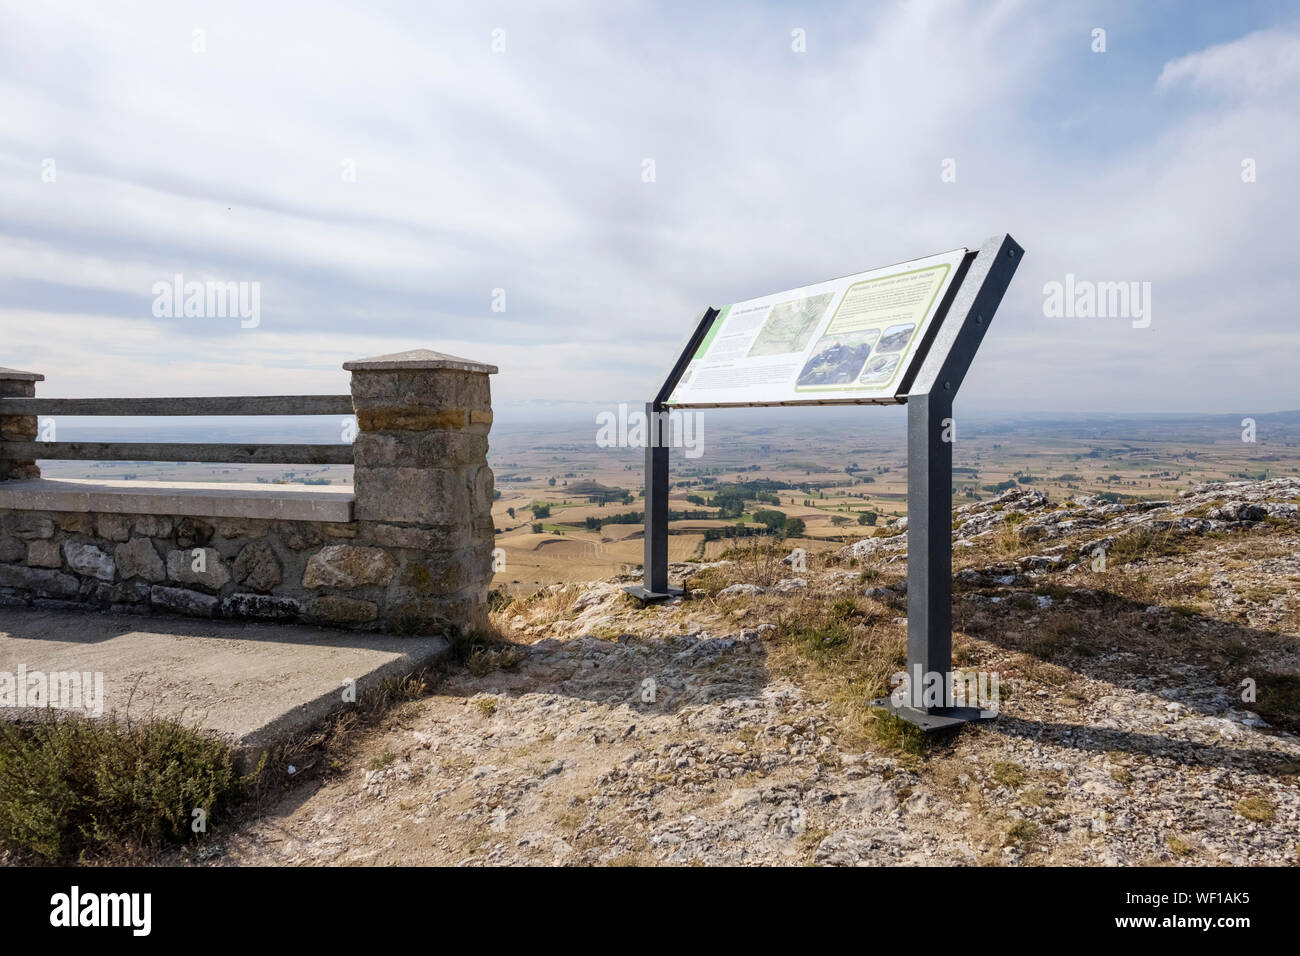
(928, 386)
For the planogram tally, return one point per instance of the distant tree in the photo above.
(552, 482)
(793, 528)
(868, 518)
(773, 520)
(540, 510)
(537, 527)
(510, 512)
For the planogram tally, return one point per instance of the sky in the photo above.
(475, 178)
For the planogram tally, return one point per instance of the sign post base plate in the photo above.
(650, 597)
(939, 718)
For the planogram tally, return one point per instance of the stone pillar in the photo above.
(423, 486)
(16, 384)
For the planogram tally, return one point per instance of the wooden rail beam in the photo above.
(222, 405)
(224, 452)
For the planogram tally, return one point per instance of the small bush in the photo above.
(72, 787)
(1008, 774)
(1179, 846)
(894, 733)
(482, 652)
(1022, 831)
(498, 600)
(1258, 809)
(828, 635)
(711, 580)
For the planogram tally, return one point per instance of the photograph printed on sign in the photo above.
(847, 340)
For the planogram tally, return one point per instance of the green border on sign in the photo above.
(709, 336)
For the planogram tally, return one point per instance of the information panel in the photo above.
(845, 341)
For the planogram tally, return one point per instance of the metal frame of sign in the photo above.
(928, 388)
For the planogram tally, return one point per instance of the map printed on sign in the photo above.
(848, 340)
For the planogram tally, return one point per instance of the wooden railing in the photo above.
(225, 452)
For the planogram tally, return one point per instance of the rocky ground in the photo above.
(1148, 711)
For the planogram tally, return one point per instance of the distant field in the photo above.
(838, 467)
(1140, 458)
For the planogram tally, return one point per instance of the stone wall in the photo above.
(320, 572)
(415, 559)
(17, 384)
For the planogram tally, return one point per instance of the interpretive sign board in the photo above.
(850, 340)
(902, 334)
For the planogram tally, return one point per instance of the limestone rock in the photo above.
(445, 576)
(188, 567)
(139, 559)
(299, 535)
(264, 607)
(153, 526)
(113, 527)
(128, 595)
(417, 539)
(348, 566)
(11, 549)
(425, 496)
(74, 523)
(88, 559)
(192, 533)
(18, 428)
(741, 590)
(257, 567)
(44, 554)
(40, 581)
(183, 600)
(230, 528)
(30, 526)
(335, 609)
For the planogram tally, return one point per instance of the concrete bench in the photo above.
(181, 498)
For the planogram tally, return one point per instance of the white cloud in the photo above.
(1260, 64)
(522, 171)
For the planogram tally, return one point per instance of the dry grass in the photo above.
(759, 563)
(846, 650)
(1023, 831)
(324, 749)
(549, 604)
(1257, 809)
(1008, 774)
(711, 580)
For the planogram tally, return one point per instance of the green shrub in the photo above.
(72, 787)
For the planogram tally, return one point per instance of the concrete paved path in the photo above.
(255, 684)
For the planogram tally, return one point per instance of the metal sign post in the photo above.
(935, 375)
(655, 568)
(929, 484)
